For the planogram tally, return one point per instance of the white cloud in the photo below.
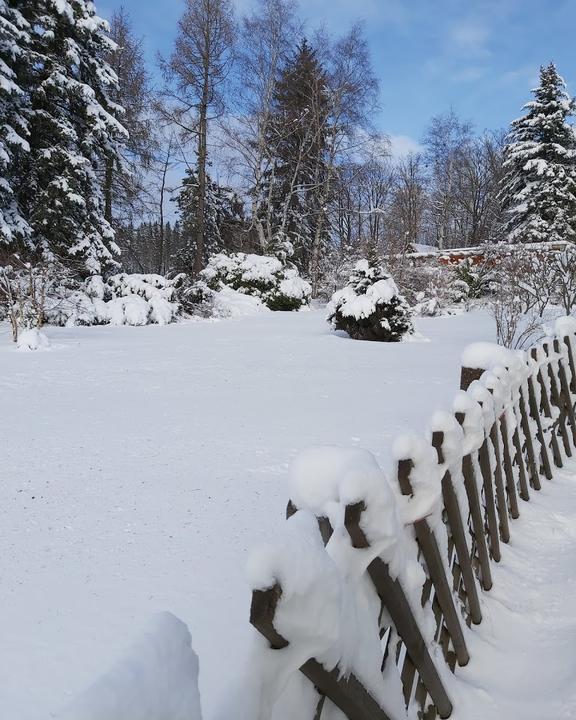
(470, 36)
(402, 145)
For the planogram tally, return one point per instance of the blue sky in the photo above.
(479, 57)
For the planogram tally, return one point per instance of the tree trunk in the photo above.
(200, 205)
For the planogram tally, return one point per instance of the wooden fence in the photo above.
(529, 429)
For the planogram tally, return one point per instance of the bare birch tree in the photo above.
(196, 73)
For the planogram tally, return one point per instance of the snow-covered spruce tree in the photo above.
(14, 52)
(297, 136)
(538, 190)
(223, 214)
(73, 131)
(125, 188)
(370, 307)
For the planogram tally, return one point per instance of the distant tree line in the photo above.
(272, 128)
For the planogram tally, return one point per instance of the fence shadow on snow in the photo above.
(427, 559)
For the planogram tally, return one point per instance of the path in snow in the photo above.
(523, 664)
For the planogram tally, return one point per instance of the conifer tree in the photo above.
(73, 129)
(298, 133)
(222, 217)
(125, 185)
(539, 185)
(370, 307)
(14, 52)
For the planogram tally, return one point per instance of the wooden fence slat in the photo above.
(467, 377)
(501, 504)
(555, 397)
(433, 558)
(528, 443)
(520, 464)
(475, 505)
(508, 468)
(392, 595)
(456, 525)
(547, 408)
(565, 393)
(535, 415)
(571, 364)
(489, 500)
(347, 693)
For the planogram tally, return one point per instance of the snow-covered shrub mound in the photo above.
(432, 289)
(274, 281)
(370, 307)
(32, 339)
(157, 680)
(123, 299)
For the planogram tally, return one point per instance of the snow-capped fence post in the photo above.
(535, 414)
(395, 600)
(568, 342)
(324, 525)
(556, 400)
(489, 499)
(475, 507)
(448, 622)
(568, 408)
(508, 468)
(424, 553)
(501, 503)
(347, 693)
(533, 471)
(456, 527)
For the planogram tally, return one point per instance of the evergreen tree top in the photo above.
(539, 185)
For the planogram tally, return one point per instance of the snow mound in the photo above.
(157, 680)
(32, 339)
(232, 303)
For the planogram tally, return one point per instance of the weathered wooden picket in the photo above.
(532, 431)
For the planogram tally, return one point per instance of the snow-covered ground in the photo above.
(138, 466)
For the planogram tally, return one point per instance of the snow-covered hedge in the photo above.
(370, 307)
(276, 283)
(123, 299)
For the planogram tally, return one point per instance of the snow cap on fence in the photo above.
(326, 610)
(425, 478)
(453, 436)
(297, 560)
(473, 424)
(565, 326)
(485, 356)
(325, 479)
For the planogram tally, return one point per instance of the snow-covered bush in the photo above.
(123, 299)
(274, 281)
(473, 279)
(370, 307)
(27, 292)
(431, 288)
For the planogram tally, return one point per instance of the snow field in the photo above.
(156, 458)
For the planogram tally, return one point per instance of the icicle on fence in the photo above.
(368, 593)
